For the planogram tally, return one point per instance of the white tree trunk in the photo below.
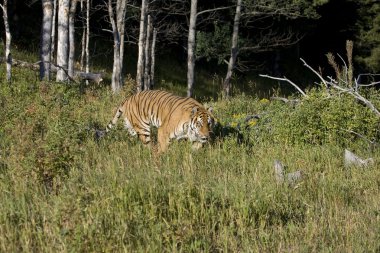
(71, 63)
(83, 50)
(85, 29)
(87, 47)
(63, 39)
(117, 60)
(54, 24)
(234, 51)
(147, 54)
(121, 10)
(140, 59)
(8, 39)
(153, 58)
(191, 48)
(45, 46)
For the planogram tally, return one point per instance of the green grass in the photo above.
(63, 191)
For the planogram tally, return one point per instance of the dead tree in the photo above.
(8, 38)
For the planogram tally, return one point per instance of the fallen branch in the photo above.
(350, 159)
(285, 100)
(94, 77)
(290, 178)
(333, 83)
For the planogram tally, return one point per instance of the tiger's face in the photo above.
(202, 123)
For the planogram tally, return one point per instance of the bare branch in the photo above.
(333, 83)
(286, 80)
(215, 9)
(285, 100)
(315, 72)
(370, 84)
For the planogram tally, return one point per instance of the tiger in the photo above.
(174, 117)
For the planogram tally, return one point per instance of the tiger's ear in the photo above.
(210, 109)
(194, 111)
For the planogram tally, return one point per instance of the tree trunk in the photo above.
(8, 39)
(45, 47)
(118, 49)
(153, 58)
(83, 50)
(140, 59)
(191, 48)
(147, 54)
(234, 51)
(63, 39)
(121, 8)
(87, 47)
(54, 23)
(71, 63)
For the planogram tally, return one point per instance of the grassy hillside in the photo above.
(63, 191)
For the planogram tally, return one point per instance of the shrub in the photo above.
(317, 119)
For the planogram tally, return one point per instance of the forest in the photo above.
(293, 161)
(271, 37)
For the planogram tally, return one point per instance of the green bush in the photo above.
(318, 119)
(321, 118)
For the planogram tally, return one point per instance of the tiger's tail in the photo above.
(113, 122)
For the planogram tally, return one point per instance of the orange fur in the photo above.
(175, 117)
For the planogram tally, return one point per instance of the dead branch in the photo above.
(286, 80)
(94, 77)
(333, 83)
(351, 159)
(290, 178)
(285, 100)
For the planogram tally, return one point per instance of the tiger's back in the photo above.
(175, 117)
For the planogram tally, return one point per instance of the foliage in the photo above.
(62, 191)
(368, 38)
(214, 44)
(323, 118)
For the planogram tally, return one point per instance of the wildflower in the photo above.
(234, 124)
(252, 123)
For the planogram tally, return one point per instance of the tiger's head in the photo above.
(201, 124)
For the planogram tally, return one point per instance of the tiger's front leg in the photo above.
(162, 139)
(145, 139)
(196, 145)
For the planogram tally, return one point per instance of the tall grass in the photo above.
(63, 191)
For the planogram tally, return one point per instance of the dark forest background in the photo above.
(335, 22)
